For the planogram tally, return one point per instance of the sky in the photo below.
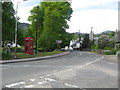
(102, 15)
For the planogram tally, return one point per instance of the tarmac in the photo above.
(41, 58)
(33, 59)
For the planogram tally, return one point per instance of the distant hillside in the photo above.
(77, 33)
(107, 32)
(23, 26)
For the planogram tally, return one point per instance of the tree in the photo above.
(36, 19)
(50, 19)
(112, 34)
(105, 42)
(8, 22)
(20, 39)
(86, 42)
(55, 23)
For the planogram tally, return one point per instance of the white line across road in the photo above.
(14, 84)
(72, 86)
(32, 80)
(29, 86)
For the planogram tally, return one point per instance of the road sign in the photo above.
(58, 41)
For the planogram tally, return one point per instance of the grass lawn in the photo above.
(23, 55)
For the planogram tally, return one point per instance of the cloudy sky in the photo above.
(102, 15)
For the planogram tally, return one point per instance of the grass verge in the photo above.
(24, 55)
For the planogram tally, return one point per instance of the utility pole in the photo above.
(36, 30)
(116, 38)
(79, 39)
(16, 31)
(16, 27)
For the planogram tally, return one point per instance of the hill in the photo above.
(23, 26)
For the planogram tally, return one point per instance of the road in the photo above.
(76, 70)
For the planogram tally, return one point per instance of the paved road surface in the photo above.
(76, 70)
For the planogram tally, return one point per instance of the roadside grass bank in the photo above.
(21, 55)
(106, 52)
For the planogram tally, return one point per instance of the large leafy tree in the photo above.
(8, 21)
(55, 23)
(104, 42)
(86, 42)
(50, 19)
(36, 19)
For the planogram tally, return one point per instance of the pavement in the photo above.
(118, 54)
(77, 69)
(34, 59)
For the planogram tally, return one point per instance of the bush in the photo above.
(5, 54)
(19, 49)
(94, 47)
(107, 48)
(41, 50)
(112, 52)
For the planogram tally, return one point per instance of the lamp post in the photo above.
(16, 27)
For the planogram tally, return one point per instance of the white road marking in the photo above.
(48, 75)
(29, 86)
(14, 84)
(70, 69)
(51, 80)
(32, 80)
(94, 61)
(73, 86)
(41, 77)
(40, 83)
(109, 63)
(44, 81)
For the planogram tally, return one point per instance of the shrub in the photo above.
(107, 48)
(112, 52)
(19, 49)
(41, 50)
(94, 47)
(5, 54)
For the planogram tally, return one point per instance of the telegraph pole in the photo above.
(79, 39)
(16, 27)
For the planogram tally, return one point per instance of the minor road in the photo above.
(76, 70)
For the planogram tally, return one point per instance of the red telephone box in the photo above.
(28, 45)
